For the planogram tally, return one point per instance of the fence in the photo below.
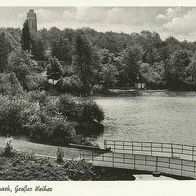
(172, 166)
(153, 148)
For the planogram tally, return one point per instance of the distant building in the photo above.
(32, 20)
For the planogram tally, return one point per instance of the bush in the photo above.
(68, 107)
(53, 130)
(85, 113)
(14, 113)
(98, 89)
(36, 81)
(9, 84)
(37, 96)
(91, 112)
(69, 84)
(8, 147)
(60, 155)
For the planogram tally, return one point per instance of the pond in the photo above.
(157, 116)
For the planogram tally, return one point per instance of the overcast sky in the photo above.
(176, 21)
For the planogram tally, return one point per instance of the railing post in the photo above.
(80, 154)
(132, 148)
(156, 167)
(123, 145)
(169, 163)
(194, 166)
(172, 151)
(142, 146)
(181, 166)
(114, 146)
(123, 158)
(161, 147)
(151, 148)
(134, 161)
(113, 158)
(192, 153)
(105, 145)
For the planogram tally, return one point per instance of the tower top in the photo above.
(32, 20)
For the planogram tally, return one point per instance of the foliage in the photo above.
(85, 53)
(54, 70)
(36, 81)
(191, 70)
(5, 48)
(22, 65)
(61, 48)
(38, 49)
(60, 155)
(69, 84)
(131, 59)
(8, 150)
(90, 112)
(108, 76)
(154, 75)
(85, 113)
(9, 84)
(26, 38)
(83, 60)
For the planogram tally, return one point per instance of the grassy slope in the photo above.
(40, 149)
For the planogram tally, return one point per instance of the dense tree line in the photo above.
(88, 61)
(109, 60)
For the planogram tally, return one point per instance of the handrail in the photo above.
(152, 148)
(134, 161)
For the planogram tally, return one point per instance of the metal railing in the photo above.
(153, 148)
(172, 166)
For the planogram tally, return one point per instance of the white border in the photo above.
(132, 188)
(98, 3)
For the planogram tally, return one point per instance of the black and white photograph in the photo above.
(97, 93)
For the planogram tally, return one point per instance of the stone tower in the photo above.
(32, 20)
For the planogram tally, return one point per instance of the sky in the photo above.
(179, 22)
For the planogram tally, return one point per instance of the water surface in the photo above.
(158, 116)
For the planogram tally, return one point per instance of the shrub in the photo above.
(9, 84)
(98, 89)
(91, 112)
(68, 107)
(37, 96)
(8, 146)
(36, 81)
(60, 155)
(15, 112)
(69, 84)
(85, 113)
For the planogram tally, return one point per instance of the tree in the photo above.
(61, 48)
(54, 70)
(38, 49)
(83, 60)
(21, 64)
(192, 68)
(108, 76)
(132, 57)
(26, 37)
(178, 64)
(5, 49)
(180, 59)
